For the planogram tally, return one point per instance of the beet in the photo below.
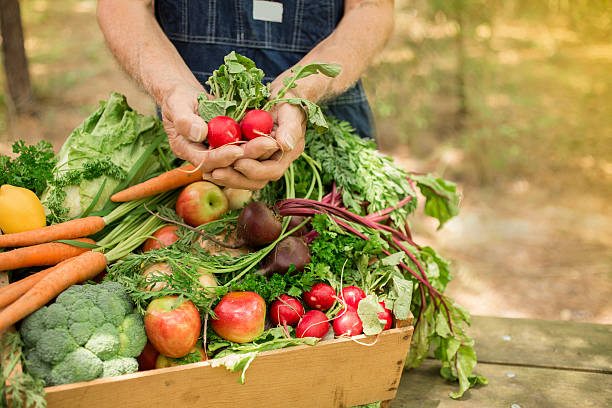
(289, 251)
(294, 221)
(258, 225)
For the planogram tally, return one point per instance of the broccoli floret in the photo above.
(36, 365)
(70, 297)
(33, 327)
(119, 366)
(104, 342)
(96, 316)
(55, 345)
(81, 332)
(113, 307)
(57, 317)
(80, 311)
(80, 365)
(88, 326)
(132, 335)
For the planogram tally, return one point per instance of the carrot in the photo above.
(83, 267)
(164, 182)
(50, 253)
(12, 292)
(80, 227)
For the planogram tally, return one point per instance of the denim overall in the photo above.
(204, 31)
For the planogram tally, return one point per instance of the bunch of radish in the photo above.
(224, 130)
(287, 310)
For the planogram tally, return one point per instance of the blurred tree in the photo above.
(20, 99)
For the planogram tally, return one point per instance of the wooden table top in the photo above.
(529, 364)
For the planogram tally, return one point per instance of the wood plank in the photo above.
(335, 373)
(509, 386)
(543, 343)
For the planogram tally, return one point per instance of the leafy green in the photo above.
(235, 356)
(401, 295)
(293, 284)
(102, 151)
(368, 310)
(364, 174)
(32, 169)
(26, 390)
(442, 199)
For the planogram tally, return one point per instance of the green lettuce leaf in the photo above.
(101, 152)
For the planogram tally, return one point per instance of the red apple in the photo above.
(286, 310)
(147, 359)
(201, 202)
(165, 361)
(240, 316)
(163, 237)
(173, 328)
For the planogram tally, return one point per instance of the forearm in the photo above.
(362, 33)
(141, 47)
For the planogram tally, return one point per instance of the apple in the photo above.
(286, 310)
(172, 325)
(163, 237)
(201, 202)
(147, 358)
(154, 270)
(237, 198)
(240, 316)
(165, 361)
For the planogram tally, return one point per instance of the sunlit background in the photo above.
(511, 99)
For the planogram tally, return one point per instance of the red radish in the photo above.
(386, 315)
(348, 323)
(320, 297)
(163, 237)
(222, 130)
(352, 295)
(312, 324)
(256, 123)
(286, 310)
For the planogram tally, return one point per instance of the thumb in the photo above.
(290, 127)
(191, 126)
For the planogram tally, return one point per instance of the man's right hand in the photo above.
(187, 130)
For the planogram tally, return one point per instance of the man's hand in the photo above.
(187, 130)
(263, 160)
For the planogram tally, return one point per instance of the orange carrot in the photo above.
(12, 292)
(164, 182)
(83, 267)
(80, 227)
(50, 253)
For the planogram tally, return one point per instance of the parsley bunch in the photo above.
(32, 169)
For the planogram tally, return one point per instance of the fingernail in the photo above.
(196, 133)
(206, 176)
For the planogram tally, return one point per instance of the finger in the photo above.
(291, 126)
(191, 126)
(260, 148)
(229, 177)
(199, 156)
(186, 121)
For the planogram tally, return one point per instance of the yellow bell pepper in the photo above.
(20, 210)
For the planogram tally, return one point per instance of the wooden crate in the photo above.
(333, 373)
